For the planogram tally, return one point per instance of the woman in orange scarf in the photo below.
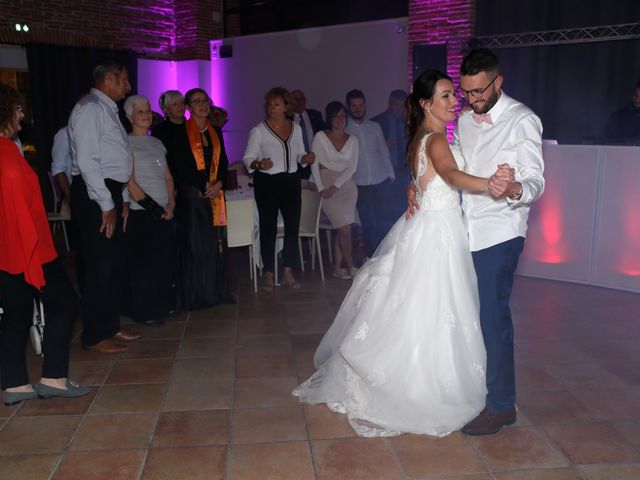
(198, 163)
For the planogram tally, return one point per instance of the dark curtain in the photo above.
(58, 76)
(574, 88)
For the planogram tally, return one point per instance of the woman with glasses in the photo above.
(29, 266)
(198, 163)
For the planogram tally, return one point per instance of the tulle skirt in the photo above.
(405, 352)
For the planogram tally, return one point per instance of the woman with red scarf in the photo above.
(29, 266)
(198, 163)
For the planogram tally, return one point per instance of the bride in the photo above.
(405, 351)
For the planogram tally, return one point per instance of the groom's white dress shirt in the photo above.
(515, 137)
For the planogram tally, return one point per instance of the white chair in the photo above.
(309, 228)
(325, 225)
(58, 216)
(240, 231)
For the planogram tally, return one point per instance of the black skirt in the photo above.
(202, 277)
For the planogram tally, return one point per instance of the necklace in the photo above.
(202, 130)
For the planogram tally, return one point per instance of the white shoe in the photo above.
(342, 274)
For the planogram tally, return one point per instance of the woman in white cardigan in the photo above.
(337, 157)
(274, 149)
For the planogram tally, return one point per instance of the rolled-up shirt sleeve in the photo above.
(529, 161)
(60, 154)
(86, 125)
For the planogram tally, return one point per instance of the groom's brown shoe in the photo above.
(487, 423)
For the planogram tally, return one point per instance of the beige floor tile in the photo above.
(206, 347)
(518, 448)
(611, 403)
(101, 465)
(22, 436)
(33, 467)
(271, 461)
(323, 423)
(265, 392)
(592, 443)
(90, 373)
(629, 471)
(255, 345)
(201, 396)
(539, 474)
(546, 407)
(152, 349)
(193, 463)
(264, 366)
(193, 428)
(203, 369)
(355, 459)
(154, 370)
(629, 429)
(170, 330)
(268, 425)
(129, 398)
(423, 456)
(110, 432)
(210, 328)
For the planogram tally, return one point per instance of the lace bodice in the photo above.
(437, 195)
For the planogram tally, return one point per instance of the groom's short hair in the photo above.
(479, 60)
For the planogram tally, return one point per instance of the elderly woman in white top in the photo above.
(274, 149)
(150, 231)
(337, 157)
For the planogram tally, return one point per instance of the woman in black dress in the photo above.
(198, 162)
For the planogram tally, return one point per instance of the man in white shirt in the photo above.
(373, 175)
(101, 167)
(61, 164)
(497, 130)
(310, 122)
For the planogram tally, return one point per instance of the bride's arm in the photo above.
(445, 165)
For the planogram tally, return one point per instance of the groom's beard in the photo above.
(484, 105)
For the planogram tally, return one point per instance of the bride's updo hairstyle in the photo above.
(423, 88)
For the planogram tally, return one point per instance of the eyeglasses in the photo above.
(201, 101)
(475, 93)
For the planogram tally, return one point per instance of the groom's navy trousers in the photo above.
(495, 267)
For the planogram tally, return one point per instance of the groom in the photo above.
(498, 130)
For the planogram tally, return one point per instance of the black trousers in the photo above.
(16, 298)
(150, 263)
(278, 192)
(103, 260)
(373, 208)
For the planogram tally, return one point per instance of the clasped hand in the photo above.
(212, 190)
(501, 181)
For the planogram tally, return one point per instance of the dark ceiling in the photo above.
(262, 16)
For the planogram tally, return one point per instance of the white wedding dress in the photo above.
(405, 352)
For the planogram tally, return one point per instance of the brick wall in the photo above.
(442, 21)
(169, 29)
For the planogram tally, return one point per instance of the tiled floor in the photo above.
(207, 396)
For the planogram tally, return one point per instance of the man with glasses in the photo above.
(496, 130)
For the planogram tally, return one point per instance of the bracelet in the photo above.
(517, 196)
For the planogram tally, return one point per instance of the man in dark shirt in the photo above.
(624, 124)
(310, 122)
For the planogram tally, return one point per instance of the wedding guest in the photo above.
(198, 162)
(392, 122)
(374, 174)
(337, 157)
(29, 266)
(150, 231)
(172, 105)
(101, 167)
(310, 122)
(274, 150)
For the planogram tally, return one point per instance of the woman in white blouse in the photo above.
(337, 154)
(274, 149)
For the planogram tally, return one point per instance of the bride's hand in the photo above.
(412, 193)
